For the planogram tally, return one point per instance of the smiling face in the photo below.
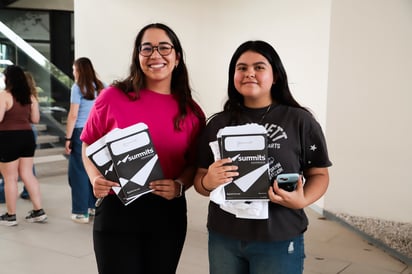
(253, 79)
(157, 68)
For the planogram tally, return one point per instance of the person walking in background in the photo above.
(18, 110)
(147, 236)
(84, 91)
(258, 92)
(24, 194)
(33, 89)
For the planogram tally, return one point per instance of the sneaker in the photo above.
(8, 220)
(92, 212)
(80, 218)
(36, 216)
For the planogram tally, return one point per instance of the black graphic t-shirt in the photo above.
(295, 143)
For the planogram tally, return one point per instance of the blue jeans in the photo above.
(230, 256)
(82, 191)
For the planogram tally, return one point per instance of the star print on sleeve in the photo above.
(313, 147)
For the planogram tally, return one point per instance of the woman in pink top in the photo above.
(147, 235)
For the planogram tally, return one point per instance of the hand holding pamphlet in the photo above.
(246, 145)
(127, 156)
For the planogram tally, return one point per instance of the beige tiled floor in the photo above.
(61, 246)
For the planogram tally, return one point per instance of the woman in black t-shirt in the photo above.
(270, 241)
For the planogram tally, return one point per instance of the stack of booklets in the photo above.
(127, 156)
(246, 145)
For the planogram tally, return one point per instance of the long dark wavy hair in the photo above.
(87, 78)
(180, 86)
(16, 84)
(280, 91)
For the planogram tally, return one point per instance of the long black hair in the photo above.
(180, 86)
(16, 83)
(280, 91)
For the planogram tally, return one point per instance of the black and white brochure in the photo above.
(135, 160)
(100, 156)
(246, 145)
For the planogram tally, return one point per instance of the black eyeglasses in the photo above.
(163, 49)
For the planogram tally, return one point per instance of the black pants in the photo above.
(145, 237)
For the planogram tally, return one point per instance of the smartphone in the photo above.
(288, 181)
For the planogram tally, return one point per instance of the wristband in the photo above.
(203, 186)
(68, 139)
(182, 185)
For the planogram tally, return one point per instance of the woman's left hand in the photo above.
(294, 199)
(167, 188)
(316, 184)
(68, 147)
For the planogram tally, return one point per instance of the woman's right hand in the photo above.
(220, 172)
(101, 186)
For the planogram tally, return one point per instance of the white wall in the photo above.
(369, 117)
(361, 90)
(210, 31)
